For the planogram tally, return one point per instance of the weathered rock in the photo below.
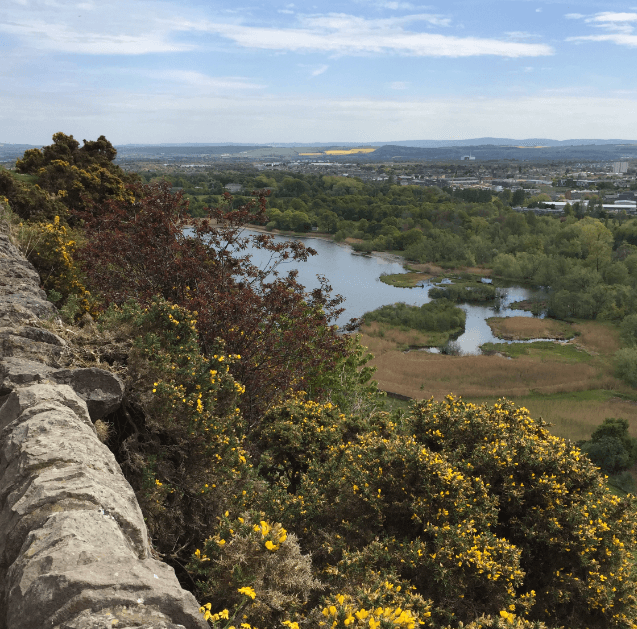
(15, 372)
(74, 550)
(80, 559)
(72, 535)
(34, 344)
(138, 616)
(101, 390)
(15, 314)
(25, 400)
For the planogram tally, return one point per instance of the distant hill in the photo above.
(13, 151)
(505, 142)
(529, 149)
(561, 152)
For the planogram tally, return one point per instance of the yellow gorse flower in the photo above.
(247, 591)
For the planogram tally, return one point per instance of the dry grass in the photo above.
(576, 419)
(420, 374)
(524, 328)
(574, 396)
(597, 337)
(380, 338)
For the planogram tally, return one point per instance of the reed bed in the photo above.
(598, 337)
(525, 328)
(381, 338)
(420, 374)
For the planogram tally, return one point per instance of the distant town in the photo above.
(560, 173)
(613, 183)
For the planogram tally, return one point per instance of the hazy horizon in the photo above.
(142, 72)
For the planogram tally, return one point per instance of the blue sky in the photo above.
(148, 71)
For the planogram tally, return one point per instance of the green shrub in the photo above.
(185, 457)
(438, 316)
(626, 365)
(608, 453)
(463, 293)
(611, 448)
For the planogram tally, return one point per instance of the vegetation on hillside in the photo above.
(269, 471)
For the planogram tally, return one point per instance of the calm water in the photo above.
(356, 278)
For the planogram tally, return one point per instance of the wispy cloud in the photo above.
(61, 37)
(399, 85)
(319, 70)
(520, 36)
(619, 27)
(137, 27)
(203, 82)
(347, 34)
(112, 27)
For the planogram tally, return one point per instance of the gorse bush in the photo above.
(51, 247)
(77, 174)
(477, 510)
(28, 201)
(250, 552)
(185, 457)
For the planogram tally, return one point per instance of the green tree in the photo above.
(596, 240)
(75, 173)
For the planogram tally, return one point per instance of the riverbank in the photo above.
(569, 385)
(540, 374)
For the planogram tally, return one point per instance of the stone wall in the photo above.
(74, 549)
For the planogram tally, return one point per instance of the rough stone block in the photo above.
(80, 560)
(100, 389)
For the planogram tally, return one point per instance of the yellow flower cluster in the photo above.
(347, 614)
(279, 533)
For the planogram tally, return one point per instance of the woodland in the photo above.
(272, 473)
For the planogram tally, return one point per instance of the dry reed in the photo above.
(524, 328)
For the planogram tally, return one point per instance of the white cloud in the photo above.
(395, 6)
(347, 34)
(319, 70)
(520, 36)
(399, 85)
(618, 38)
(574, 16)
(608, 16)
(619, 27)
(538, 10)
(135, 27)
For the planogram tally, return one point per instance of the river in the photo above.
(356, 278)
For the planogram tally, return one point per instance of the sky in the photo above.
(366, 71)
